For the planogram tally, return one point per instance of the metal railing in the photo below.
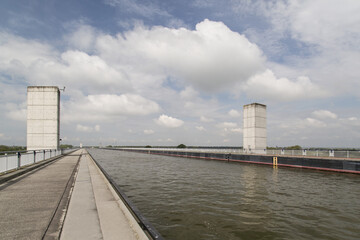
(16, 159)
(274, 152)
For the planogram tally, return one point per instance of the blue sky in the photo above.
(171, 72)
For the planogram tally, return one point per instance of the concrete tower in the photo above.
(43, 117)
(254, 140)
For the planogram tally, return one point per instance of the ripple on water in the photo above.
(202, 199)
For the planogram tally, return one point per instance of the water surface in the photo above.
(203, 199)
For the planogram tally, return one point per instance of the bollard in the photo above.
(43, 154)
(34, 156)
(275, 161)
(19, 160)
(6, 168)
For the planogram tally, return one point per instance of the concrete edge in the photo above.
(133, 222)
(56, 224)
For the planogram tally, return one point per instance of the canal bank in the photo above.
(314, 163)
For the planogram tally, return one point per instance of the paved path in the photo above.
(28, 203)
(65, 200)
(95, 212)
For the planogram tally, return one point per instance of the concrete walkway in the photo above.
(95, 211)
(28, 204)
(69, 198)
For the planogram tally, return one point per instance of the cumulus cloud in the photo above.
(200, 128)
(236, 130)
(82, 37)
(148, 9)
(169, 122)
(188, 93)
(267, 86)
(210, 57)
(149, 131)
(88, 129)
(332, 22)
(229, 128)
(234, 113)
(40, 64)
(97, 128)
(206, 119)
(21, 52)
(315, 123)
(82, 128)
(17, 114)
(227, 125)
(107, 106)
(324, 114)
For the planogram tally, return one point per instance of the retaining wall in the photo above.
(316, 163)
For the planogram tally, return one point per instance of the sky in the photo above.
(163, 73)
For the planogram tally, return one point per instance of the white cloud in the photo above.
(314, 123)
(200, 128)
(236, 130)
(234, 113)
(82, 37)
(169, 122)
(88, 129)
(97, 128)
(211, 57)
(165, 140)
(332, 22)
(205, 119)
(108, 106)
(17, 52)
(17, 115)
(267, 86)
(324, 114)
(188, 93)
(82, 128)
(146, 10)
(149, 131)
(227, 125)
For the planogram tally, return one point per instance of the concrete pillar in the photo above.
(255, 138)
(43, 117)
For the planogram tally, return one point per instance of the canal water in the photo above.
(204, 199)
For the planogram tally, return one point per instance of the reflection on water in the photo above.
(202, 199)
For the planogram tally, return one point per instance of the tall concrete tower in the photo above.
(254, 140)
(43, 117)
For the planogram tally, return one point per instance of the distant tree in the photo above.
(109, 146)
(296, 147)
(147, 146)
(64, 146)
(181, 146)
(4, 148)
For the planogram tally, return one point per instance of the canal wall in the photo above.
(315, 163)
